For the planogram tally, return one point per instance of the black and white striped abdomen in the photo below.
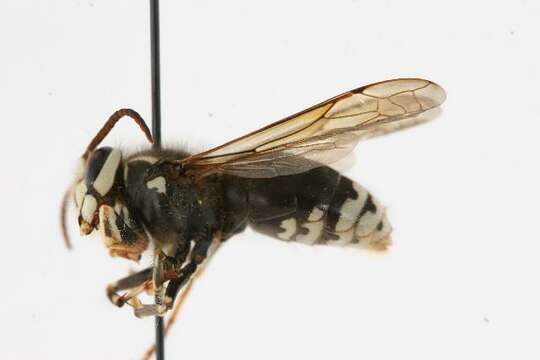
(318, 207)
(354, 216)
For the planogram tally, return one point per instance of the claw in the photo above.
(118, 300)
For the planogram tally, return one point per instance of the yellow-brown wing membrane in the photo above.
(323, 133)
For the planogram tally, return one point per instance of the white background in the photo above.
(462, 191)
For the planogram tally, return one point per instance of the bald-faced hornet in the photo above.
(274, 180)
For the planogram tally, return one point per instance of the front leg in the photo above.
(136, 283)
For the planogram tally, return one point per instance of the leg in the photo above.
(129, 282)
(159, 278)
(175, 285)
(172, 290)
(174, 314)
(201, 252)
(165, 268)
(172, 269)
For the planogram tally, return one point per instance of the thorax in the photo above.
(170, 206)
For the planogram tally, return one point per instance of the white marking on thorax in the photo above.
(88, 208)
(105, 178)
(348, 214)
(314, 232)
(289, 225)
(159, 184)
(146, 158)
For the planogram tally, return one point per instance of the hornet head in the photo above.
(99, 178)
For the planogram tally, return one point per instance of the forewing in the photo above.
(325, 132)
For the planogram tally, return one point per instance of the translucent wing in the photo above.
(323, 133)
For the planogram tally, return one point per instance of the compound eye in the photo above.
(102, 168)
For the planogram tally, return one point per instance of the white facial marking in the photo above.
(159, 184)
(79, 170)
(314, 232)
(348, 214)
(146, 158)
(125, 216)
(315, 215)
(88, 208)
(108, 216)
(118, 207)
(369, 221)
(289, 225)
(105, 178)
(80, 191)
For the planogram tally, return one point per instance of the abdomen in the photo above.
(317, 207)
